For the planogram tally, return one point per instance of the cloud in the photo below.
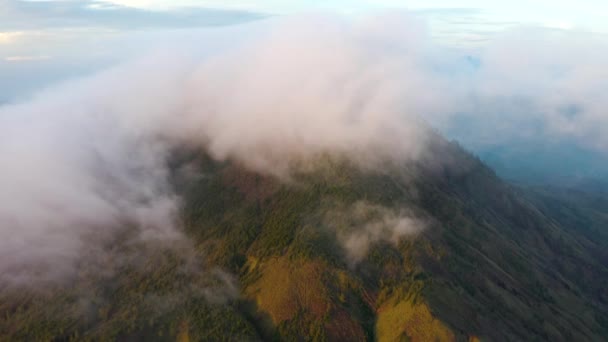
(90, 156)
(84, 36)
(298, 93)
(26, 58)
(86, 159)
(535, 84)
(9, 37)
(34, 15)
(363, 224)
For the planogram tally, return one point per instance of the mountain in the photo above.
(438, 249)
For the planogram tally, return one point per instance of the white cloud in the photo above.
(89, 157)
(361, 225)
(26, 58)
(563, 13)
(10, 37)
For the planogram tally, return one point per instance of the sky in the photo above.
(562, 13)
(42, 41)
(542, 10)
(35, 30)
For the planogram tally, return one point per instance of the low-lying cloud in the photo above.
(364, 224)
(537, 85)
(90, 156)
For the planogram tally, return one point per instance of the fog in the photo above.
(89, 157)
(363, 224)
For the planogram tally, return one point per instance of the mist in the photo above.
(363, 225)
(84, 159)
(531, 105)
(87, 158)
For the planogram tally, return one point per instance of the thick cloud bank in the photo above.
(84, 158)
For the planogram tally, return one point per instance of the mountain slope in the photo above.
(319, 257)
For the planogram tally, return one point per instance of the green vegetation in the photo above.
(495, 263)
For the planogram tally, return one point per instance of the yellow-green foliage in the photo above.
(286, 288)
(183, 335)
(403, 319)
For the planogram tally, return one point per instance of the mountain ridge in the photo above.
(491, 261)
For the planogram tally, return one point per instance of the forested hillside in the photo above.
(440, 249)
